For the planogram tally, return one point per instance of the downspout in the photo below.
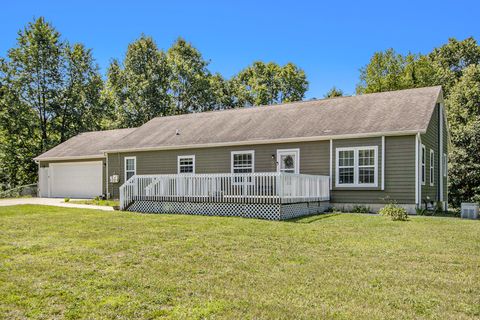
(331, 164)
(106, 177)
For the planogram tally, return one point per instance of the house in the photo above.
(273, 162)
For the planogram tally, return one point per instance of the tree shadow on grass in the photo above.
(314, 218)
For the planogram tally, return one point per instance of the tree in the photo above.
(82, 108)
(464, 120)
(189, 81)
(50, 92)
(140, 88)
(269, 83)
(452, 58)
(454, 66)
(333, 92)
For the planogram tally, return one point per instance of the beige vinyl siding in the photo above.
(399, 172)
(45, 164)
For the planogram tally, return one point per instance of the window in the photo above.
(366, 166)
(424, 172)
(243, 162)
(346, 167)
(432, 167)
(186, 164)
(445, 166)
(288, 160)
(357, 167)
(130, 167)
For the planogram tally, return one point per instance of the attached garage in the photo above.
(73, 180)
(76, 168)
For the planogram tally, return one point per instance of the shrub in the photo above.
(66, 199)
(360, 209)
(395, 212)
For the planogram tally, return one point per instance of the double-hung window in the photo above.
(186, 164)
(424, 158)
(130, 167)
(243, 162)
(357, 167)
(432, 167)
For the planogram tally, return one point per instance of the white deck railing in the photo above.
(268, 187)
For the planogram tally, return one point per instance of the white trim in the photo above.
(432, 168)
(270, 141)
(107, 179)
(232, 153)
(440, 151)
(383, 162)
(93, 158)
(417, 169)
(331, 164)
(423, 164)
(356, 167)
(289, 151)
(125, 167)
(185, 157)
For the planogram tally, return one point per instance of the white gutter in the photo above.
(70, 158)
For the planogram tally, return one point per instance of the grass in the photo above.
(76, 263)
(108, 203)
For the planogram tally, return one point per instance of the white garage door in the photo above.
(76, 179)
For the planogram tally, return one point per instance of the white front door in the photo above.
(288, 160)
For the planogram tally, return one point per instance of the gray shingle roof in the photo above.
(388, 112)
(395, 112)
(86, 145)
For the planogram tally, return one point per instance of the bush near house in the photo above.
(395, 212)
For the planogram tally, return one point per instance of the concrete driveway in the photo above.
(50, 202)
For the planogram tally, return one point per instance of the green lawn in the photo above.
(108, 203)
(76, 263)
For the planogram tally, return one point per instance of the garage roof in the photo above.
(85, 145)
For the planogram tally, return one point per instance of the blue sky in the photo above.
(329, 40)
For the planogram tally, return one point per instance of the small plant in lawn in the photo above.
(66, 199)
(360, 209)
(395, 212)
(421, 211)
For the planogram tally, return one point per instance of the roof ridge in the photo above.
(285, 104)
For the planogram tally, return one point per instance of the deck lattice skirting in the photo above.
(268, 195)
(266, 211)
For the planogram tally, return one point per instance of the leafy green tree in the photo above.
(82, 108)
(139, 88)
(268, 83)
(51, 91)
(35, 66)
(222, 93)
(333, 93)
(454, 66)
(189, 81)
(464, 121)
(452, 58)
